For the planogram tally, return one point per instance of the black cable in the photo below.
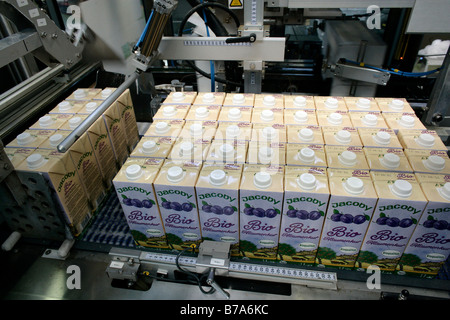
(180, 34)
(195, 276)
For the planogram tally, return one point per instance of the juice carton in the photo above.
(397, 121)
(379, 138)
(343, 157)
(429, 246)
(172, 112)
(84, 94)
(305, 204)
(165, 128)
(400, 206)
(421, 139)
(59, 173)
(126, 111)
(306, 155)
(388, 105)
(268, 116)
(261, 206)
(188, 149)
(175, 194)
(153, 147)
(116, 133)
(299, 102)
(332, 104)
(236, 114)
(104, 94)
(230, 152)
(361, 104)
(239, 99)
(210, 99)
(386, 159)
(180, 98)
(89, 108)
(217, 191)
(333, 118)
(18, 155)
(300, 117)
(68, 107)
(73, 122)
(51, 122)
(241, 131)
(363, 119)
(134, 187)
(269, 101)
(103, 149)
(86, 163)
(273, 153)
(428, 161)
(341, 136)
(30, 139)
(305, 134)
(205, 130)
(203, 113)
(352, 203)
(269, 133)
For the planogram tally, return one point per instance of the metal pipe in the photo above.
(86, 124)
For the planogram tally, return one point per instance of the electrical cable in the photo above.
(195, 276)
(180, 34)
(145, 29)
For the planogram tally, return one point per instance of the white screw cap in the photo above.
(75, 122)
(187, 149)
(134, 172)
(217, 178)
(370, 120)
(262, 180)
(25, 139)
(35, 161)
(149, 147)
(233, 131)
(201, 113)
(265, 155)
(91, 106)
(238, 99)
(269, 101)
(79, 94)
(234, 114)
(307, 181)
(169, 111)
(348, 158)
(64, 106)
(307, 155)
(300, 102)
(397, 105)
(435, 163)
(56, 139)
(426, 140)
(106, 93)
(354, 186)
(209, 98)
(343, 136)
(331, 103)
(196, 129)
(335, 119)
(363, 103)
(46, 121)
(306, 135)
(162, 127)
(178, 96)
(227, 150)
(402, 189)
(445, 191)
(301, 117)
(390, 161)
(407, 121)
(267, 115)
(175, 174)
(382, 138)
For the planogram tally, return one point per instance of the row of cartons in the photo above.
(78, 179)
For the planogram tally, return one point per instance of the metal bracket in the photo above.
(358, 73)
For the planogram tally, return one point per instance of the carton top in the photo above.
(299, 102)
(346, 157)
(436, 161)
(305, 134)
(181, 98)
(52, 141)
(139, 170)
(239, 99)
(46, 160)
(421, 139)
(269, 101)
(105, 93)
(69, 107)
(268, 115)
(403, 120)
(331, 103)
(210, 98)
(387, 159)
(368, 119)
(300, 116)
(165, 128)
(51, 122)
(263, 178)
(347, 136)
(226, 151)
(379, 137)
(351, 183)
(361, 103)
(234, 131)
(394, 105)
(199, 113)
(334, 118)
(153, 147)
(269, 132)
(199, 129)
(436, 187)
(238, 113)
(179, 173)
(30, 139)
(306, 179)
(394, 185)
(84, 94)
(223, 176)
(172, 112)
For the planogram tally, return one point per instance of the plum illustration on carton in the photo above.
(400, 206)
(134, 187)
(261, 206)
(175, 194)
(305, 204)
(429, 246)
(352, 203)
(218, 199)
